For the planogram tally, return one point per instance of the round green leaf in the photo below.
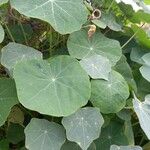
(8, 98)
(111, 134)
(58, 87)
(115, 147)
(84, 126)
(110, 96)
(80, 46)
(43, 135)
(73, 146)
(1, 32)
(97, 66)
(65, 16)
(142, 110)
(14, 53)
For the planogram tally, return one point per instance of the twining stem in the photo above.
(132, 36)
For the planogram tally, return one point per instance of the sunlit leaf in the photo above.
(84, 126)
(97, 66)
(1, 32)
(142, 110)
(115, 147)
(42, 135)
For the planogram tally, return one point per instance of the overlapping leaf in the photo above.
(110, 96)
(84, 126)
(97, 66)
(14, 53)
(142, 110)
(65, 16)
(80, 46)
(58, 87)
(115, 147)
(8, 98)
(43, 135)
(1, 33)
(145, 69)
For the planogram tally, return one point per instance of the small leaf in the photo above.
(73, 146)
(142, 110)
(110, 96)
(97, 66)
(111, 134)
(84, 126)
(8, 98)
(42, 135)
(145, 69)
(57, 87)
(14, 53)
(65, 16)
(1, 32)
(115, 147)
(80, 46)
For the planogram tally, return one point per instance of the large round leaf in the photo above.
(84, 126)
(110, 96)
(111, 134)
(58, 87)
(65, 16)
(14, 53)
(8, 98)
(43, 135)
(97, 66)
(1, 32)
(142, 110)
(115, 147)
(80, 46)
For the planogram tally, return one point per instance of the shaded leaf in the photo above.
(110, 96)
(8, 98)
(42, 134)
(58, 87)
(4, 144)
(84, 126)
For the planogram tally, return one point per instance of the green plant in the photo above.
(75, 74)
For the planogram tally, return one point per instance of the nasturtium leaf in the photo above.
(80, 46)
(110, 96)
(3, 1)
(8, 98)
(115, 147)
(142, 110)
(1, 33)
(124, 114)
(125, 70)
(14, 53)
(145, 69)
(74, 146)
(111, 134)
(56, 87)
(107, 19)
(84, 126)
(15, 133)
(65, 16)
(43, 135)
(96, 66)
